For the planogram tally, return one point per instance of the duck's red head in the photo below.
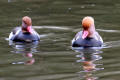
(26, 24)
(87, 23)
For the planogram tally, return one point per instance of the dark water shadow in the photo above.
(88, 58)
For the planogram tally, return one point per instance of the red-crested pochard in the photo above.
(25, 33)
(88, 37)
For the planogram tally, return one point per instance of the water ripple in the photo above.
(110, 31)
(51, 27)
(109, 73)
(111, 44)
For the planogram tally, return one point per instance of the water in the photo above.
(57, 21)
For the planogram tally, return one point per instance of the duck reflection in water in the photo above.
(88, 56)
(31, 60)
(27, 50)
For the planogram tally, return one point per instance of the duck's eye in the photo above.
(25, 22)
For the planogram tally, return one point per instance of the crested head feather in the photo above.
(87, 22)
(27, 20)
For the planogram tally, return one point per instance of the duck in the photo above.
(88, 37)
(24, 33)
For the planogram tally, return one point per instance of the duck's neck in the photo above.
(27, 30)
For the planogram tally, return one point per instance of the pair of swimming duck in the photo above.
(88, 37)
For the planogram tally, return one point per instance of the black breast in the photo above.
(88, 42)
(26, 37)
